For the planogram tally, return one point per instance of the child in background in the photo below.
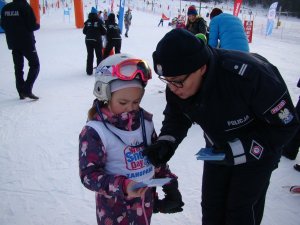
(111, 144)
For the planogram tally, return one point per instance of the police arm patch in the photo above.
(256, 149)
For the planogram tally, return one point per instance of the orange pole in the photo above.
(78, 6)
(35, 5)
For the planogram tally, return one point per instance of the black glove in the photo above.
(172, 203)
(160, 152)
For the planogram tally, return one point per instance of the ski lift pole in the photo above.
(278, 18)
(180, 8)
(199, 7)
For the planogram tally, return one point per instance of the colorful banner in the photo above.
(272, 11)
(248, 26)
(121, 14)
(271, 18)
(269, 29)
(237, 7)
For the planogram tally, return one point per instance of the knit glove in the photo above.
(160, 152)
(172, 202)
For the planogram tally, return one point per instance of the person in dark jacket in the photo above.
(291, 150)
(93, 30)
(18, 21)
(113, 36)
(227, 31)
(195, 24)
(161, 22)
(242, 104)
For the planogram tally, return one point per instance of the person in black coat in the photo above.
(242, 104)
(291, 150)
(93, 30)
(18, 21)
(113, 36)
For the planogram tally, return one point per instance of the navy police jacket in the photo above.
(243, 106)
(18, 22)
(94, 28)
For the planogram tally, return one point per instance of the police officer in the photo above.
(242, 103)
(291, 150)
(19, 22)
(93, 30)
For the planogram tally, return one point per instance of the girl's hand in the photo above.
(135, 193)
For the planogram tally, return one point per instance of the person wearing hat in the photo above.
(111, 143)
(227, 31)
(242, 104)
(93, 30)
(19, 22)
(195, 24)
(113, 36)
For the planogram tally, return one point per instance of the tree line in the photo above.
(292, 7)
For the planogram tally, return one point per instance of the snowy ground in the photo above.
(39, 139)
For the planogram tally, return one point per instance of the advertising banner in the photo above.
(237, 7)
(248, 26)
(271, 18)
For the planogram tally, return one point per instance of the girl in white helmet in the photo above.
(111, 144)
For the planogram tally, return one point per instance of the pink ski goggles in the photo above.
(132, 68)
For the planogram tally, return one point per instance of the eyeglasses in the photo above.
(176, 83)
(131, 68)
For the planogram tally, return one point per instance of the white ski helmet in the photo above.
(119, 67)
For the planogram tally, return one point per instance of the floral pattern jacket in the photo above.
(112, 204)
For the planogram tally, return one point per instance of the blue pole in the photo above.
(121, 14)
(2, 4)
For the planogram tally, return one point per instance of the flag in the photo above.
(271, 18)
(121, 14)
(272, 11)
(164, 17)
(237, 7)
(270, 24)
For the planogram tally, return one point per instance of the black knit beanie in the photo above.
(179, 52)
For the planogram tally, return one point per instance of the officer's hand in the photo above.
(160, 152)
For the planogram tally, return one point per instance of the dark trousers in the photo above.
(91, 47)
(126, 30)
(292, 148)
(25, 85)
(109, 46)
(234, 195)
